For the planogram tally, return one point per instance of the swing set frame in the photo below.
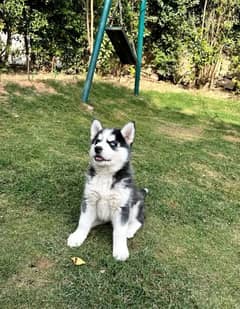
(98, 42)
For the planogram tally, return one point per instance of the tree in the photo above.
(195, 35)
(168, 29)
(90, 24)
(10, 13)
(214, 39)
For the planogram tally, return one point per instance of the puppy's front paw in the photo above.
(121, 255)
(75, 240)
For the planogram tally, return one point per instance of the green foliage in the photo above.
(168, 30)
(205, 34)
(198, 34)
(235, 56)
(12, 10)
(105, 63)
(58, 30)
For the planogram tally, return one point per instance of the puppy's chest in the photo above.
(101, 194)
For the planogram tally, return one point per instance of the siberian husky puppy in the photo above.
(110, 194)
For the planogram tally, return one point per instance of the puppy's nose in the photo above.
(98, 149)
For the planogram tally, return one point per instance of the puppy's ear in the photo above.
(128, 132)
(95, 128)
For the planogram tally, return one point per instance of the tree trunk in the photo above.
(26, 43)
(215, 68)
(8, 44)
(92, 26)
(197, 76)
(203, 18)
(87, 24)
(53, 66)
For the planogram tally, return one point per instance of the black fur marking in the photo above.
(124, 214)
(91, 171)
(120, 138)
(140, 215)
(138, 196)
(95, 139)
(84, 205)
(123, 173)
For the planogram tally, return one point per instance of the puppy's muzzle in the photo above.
(98, 149)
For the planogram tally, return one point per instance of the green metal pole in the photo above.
(140, 45)
(96, 49)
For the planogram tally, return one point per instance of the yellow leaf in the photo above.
(77, 261)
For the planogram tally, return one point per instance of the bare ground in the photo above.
(160, 86)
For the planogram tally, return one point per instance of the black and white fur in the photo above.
(110, 194)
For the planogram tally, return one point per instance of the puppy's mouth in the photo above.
(100, 159)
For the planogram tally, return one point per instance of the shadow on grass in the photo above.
(108, 98)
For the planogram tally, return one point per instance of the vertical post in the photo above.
(140, 45)
(96, 49)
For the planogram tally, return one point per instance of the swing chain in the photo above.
(120, 12)
(118, 7)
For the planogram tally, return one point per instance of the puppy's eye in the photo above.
(113, 144)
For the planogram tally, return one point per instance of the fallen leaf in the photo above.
(77, 261)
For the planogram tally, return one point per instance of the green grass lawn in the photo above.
(187, 152)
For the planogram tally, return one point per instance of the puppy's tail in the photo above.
(144, 191)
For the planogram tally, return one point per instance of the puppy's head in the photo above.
(111, 147)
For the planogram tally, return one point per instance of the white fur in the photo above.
(120, 249)
(103, 205)
(103, 198)
(134, 225)
(95, 128)
(103, 201)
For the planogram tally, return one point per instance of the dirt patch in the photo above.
(172, 204)
(165, 87)
(121, 115)
(41, 76)
(218, 155)
(206, 171)
(2, 90)
(32, 275)
(43, 88)
(231, 188)
(181, 133)
(37, 85)
(188, 111)
(42, 263)
(146, 84)
(236, 235)
(231, 138)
